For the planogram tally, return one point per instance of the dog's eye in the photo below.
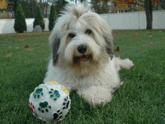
(72, 35)
(88, 31)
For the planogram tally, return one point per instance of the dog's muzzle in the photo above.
(83, 54)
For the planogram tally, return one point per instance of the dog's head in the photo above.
(82, 40)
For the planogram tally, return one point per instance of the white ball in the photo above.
(50, 101)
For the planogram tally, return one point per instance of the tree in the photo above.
(59, 4)
(39, 18)
(100, 6)
(26, 9)
(122, 5)
(148, 5)
(15, 5)
(148, 10)
(20, 23)
(52, 17)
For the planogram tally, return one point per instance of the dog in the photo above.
(82, 55)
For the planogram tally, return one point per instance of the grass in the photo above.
(140, 100)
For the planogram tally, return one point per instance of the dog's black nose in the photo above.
(82, 49)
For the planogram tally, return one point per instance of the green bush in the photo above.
(39, 18)
(20, 23)
(52, 17)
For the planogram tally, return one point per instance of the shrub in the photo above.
(52, 17)
(39, 18)
(20, 23)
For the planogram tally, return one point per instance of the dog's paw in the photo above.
(127, 63)
(96, 95)
(114, 87)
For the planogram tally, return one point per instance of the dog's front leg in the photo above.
(96, 95)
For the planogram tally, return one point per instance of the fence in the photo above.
(134, 20)
(7, 25)
(128, 20)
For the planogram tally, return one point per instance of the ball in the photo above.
(50, 101)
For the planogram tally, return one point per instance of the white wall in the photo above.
(127, 20)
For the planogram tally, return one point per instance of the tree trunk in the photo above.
(148, 10)
(33, 1)
(15, 6)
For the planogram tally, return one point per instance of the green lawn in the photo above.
(140, 100)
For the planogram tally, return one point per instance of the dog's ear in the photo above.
(54, 42)
(55, 48)
(107, 35)
(106, 32)
(109, 45)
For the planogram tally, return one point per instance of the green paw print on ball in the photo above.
(54, 94)
(44, 107)
(38, 93)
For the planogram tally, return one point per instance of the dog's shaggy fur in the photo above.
(82, 55)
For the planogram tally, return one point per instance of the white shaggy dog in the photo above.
(82, 55)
